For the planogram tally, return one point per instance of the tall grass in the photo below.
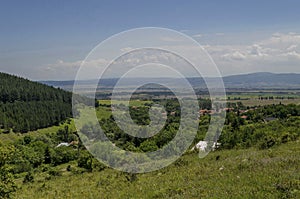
(250, 173)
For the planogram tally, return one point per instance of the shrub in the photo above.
(7, 184)
(69, 168)
(85, 160)
(28, 177)
(63, 155)
(27, 140)
(98, 166)
(267, 142)
(21, 166)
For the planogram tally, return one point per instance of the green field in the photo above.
(249, 173)
(253, 98)
(132, 102)
(104, 112)
(257, 102)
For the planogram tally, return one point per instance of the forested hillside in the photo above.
(27, 105)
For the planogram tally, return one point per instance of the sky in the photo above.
(48, 40)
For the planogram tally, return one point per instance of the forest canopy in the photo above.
(26, 105)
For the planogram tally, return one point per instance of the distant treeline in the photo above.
(27, 105)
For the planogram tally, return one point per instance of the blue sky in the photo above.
(36, 35)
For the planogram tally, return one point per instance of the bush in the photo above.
(28, 178)
(44, 167)
(7, 184)
(69, 168)
(27, 140)
(85, 160)
(21, 166)
(63, 155)
(267, 142)
(98, 166)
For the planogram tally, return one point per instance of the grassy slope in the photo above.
(11, 137)
(251, 173)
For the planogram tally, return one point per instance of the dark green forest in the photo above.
(27, 105)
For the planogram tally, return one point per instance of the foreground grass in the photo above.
(250, 173)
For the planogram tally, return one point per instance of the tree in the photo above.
(47, 156)
(7, 183)
(148, 145)
(27, 140)
(28, 177)
(85, 160)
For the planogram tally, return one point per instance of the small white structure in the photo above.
(63, 144)
(202, 145)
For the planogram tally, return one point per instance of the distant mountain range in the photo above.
(261, 80)
(264, 80)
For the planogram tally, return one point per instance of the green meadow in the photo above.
(245, 173)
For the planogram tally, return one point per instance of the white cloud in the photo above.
(257, 51)
(292, 55)
(278, 53)
(198, 36)
(68, 69)
(280, 40)
(127, 49)
(234, 56)
(60, 64)
(64, 64)
(292, 47)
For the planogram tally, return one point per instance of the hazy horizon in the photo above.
(238, 74)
